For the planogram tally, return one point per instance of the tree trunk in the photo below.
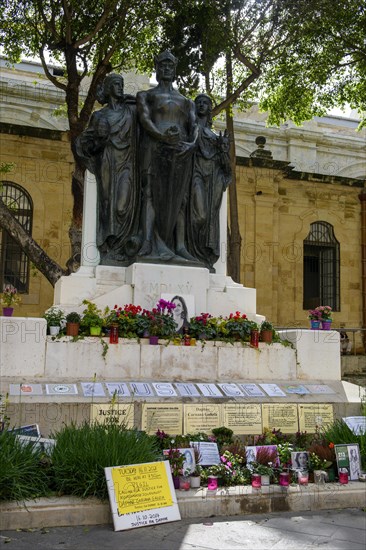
(48, 267)
(234, 237)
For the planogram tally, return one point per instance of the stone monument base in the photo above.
(143, 284)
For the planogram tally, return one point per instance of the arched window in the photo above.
(321, 267)
(14, 264)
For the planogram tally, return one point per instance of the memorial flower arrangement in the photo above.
(176, 461)
(314, 315)
(238, 326)
(161, 322)
(127, 319)
(55, 317)
(204, 326)
(10, 296)
(325, 313)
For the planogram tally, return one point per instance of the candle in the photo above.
(343, 476)
(303, 478)
(212, 483)
(284, 479)
(256, 481)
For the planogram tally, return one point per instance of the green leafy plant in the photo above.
(238, 326)
(73, 317)
(92, 316)
(203, 326)
(176, 461)
(266, 325)
(223, 435)
(23, 471)
(54, 316)
(81, 454)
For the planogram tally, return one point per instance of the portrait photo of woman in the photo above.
(180, 313)
(300, 461)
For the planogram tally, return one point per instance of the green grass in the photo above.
(23, 471)
(82, 453)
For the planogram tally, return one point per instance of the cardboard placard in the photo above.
(348, 456)
(141, 495)
(243, 418)
(313, 416)
(202, 418)
(280, 417)
(117, 413)
(162, 416)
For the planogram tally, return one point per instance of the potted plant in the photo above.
(203, 327)
(92, 319)
(214, 472)
(161, 322)
(314, 316)
(325, 316)
(72, 323)
(8, 299)
(238, 326)
(55, 317)
(266, 332)
(264, 464)
(176, 461)
(196, 474)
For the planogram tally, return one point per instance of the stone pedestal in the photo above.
(143, 284)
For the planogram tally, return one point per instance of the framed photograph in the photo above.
(300, 460)
(348, 456)
(251, 453)
(189, 464)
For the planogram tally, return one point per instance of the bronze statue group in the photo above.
(160, 170)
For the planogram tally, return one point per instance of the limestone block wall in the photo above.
(43, 167)
(275, 217)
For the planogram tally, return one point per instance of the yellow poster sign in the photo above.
(117, 413)
(243, 418)
(313, 416)
(202, 418)
(162, 415)
(141, 487)
(280, 417)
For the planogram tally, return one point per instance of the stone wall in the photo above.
(43, 167)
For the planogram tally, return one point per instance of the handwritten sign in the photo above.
(113, 414)
(243, 418)
(280, 417)
(167, 416)
(202, 418)
(313, 416)
(141, 495)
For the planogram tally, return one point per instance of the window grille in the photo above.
(14, 264)
(321, 267)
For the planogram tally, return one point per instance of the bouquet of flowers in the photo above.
(9, 296)
(324, 312)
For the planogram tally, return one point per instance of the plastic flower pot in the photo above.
(54, 330)
(326, 325)
(95, 331)
(8, 311)
(314, 325)
(153, 340)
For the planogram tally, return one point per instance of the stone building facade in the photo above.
(299, 206)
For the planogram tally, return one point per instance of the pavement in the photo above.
(331, 529)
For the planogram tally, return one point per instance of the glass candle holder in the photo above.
(184, 483)
(254, 338)
(343, 476)
(113, 334)
(303, 477)
(256, 481)
(212, 483)
(284, 479)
